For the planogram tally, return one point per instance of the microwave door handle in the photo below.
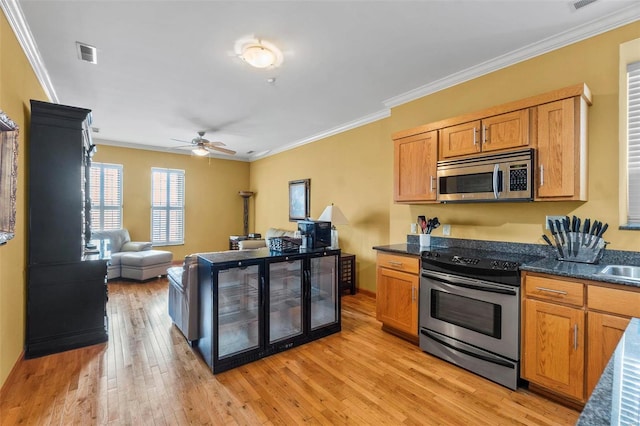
(496, 192)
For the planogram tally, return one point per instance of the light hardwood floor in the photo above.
(148, 374)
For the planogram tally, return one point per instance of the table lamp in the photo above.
(334, 215)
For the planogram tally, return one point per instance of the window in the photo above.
(633, 143)
(629, 134)
(167, 206)
(106, 196)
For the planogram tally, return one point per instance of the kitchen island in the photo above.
(254, 303)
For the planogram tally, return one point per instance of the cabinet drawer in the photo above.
(621, 302)
(560, 291)
(399, 262)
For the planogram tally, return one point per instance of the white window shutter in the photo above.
(633, 138)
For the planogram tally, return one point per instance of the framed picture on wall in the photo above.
(299, 199)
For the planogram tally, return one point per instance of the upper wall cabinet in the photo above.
(561, 142)
(510, 130)
(553, 123)
(414, 165)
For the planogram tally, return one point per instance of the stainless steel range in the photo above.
(470, 311)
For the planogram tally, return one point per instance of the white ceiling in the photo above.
(167, 69)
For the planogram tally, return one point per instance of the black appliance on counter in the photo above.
(470, 310)
(315, 233)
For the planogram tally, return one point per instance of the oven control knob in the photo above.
(495, 264)
(456, 259)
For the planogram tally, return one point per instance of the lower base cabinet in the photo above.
(397, 293)
(570, 329)
(66, 307)
(255, 307)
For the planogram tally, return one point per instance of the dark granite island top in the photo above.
(616, 398)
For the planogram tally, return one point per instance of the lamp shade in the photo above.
(334, 215)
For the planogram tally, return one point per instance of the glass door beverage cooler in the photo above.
(252, 305)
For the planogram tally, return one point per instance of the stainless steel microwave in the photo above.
(494, 177)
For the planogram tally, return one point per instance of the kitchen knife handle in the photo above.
(541, 174)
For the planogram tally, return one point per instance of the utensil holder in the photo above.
(425, 240)
(581, 248)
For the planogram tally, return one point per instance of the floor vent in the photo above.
(89, 53)
(582, 3)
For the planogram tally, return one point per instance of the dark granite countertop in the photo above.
(543, 258)
(261, 253)
(614, 401)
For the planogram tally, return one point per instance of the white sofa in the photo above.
(134, 260)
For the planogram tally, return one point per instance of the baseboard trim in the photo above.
(10, 377)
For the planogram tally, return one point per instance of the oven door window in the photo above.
(473, 314)
(474, 183)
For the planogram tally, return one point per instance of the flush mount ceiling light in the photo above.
(258, 53)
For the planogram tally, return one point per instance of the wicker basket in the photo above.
(285, 244)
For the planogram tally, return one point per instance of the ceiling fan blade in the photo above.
(217, 148)
(180, 140)
(216, 143)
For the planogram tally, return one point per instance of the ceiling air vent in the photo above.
(88, 53)
(582, 3)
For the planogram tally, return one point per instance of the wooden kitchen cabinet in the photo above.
(561, 143)
(603, 334)
(615, 308)
(414, 166)
(510, 130)
(553, 335)
(558, 353)
(398, 286)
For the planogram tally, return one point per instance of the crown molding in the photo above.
(582, 32)
(379, 115)
(14, 15)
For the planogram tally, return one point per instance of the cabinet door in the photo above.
(603, 337)
(415, 167)
(397, 300)
(462, 139)
(285, 300)
(557, 163)
(553, 347)
(503, 131)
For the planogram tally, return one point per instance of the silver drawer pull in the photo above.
(550, 290)
(391, 262)
(575, 337)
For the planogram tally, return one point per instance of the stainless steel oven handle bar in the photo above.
(457, 281)
(476, 354)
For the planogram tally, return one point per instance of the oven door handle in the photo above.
(484, 357)
(457, 282)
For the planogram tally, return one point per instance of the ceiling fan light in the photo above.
(200, 151)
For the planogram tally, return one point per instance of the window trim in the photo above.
(102, 207)
(629, 53)
(168, 208)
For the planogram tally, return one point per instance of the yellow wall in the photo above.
(351, 170)
(18, 84)
(354, 169)
(213, 208)
(593, 61)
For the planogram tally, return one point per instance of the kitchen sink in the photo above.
(622, 271)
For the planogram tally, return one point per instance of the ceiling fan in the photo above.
(201, 146)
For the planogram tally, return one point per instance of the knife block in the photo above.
(579, 247)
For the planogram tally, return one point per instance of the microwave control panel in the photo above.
(518, 177)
